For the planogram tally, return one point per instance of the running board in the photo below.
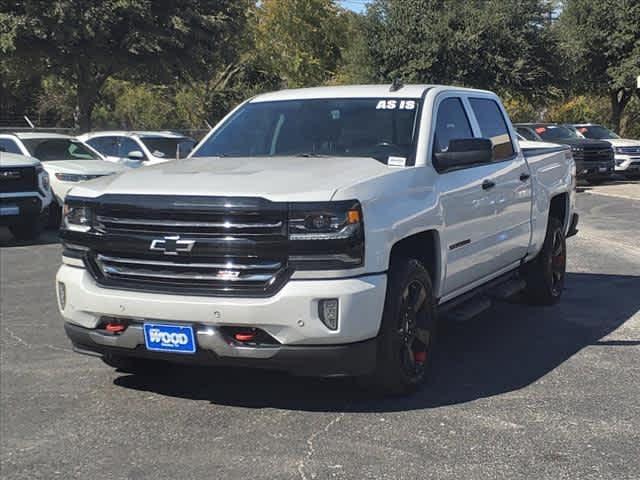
(473, 303)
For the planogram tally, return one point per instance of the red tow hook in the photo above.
(115, 327)
(245, 336)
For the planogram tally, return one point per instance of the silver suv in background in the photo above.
(138, 148)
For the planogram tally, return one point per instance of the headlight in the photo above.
(45, 182)
(77, 218)
(75, 177)
(326, 236)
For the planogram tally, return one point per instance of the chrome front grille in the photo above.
(191, 245)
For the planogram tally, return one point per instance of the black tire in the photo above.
(407, 333)
(545, 274)
(133, 365)
(29, 230)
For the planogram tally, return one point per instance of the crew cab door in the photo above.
(512, 191)
(476, 202)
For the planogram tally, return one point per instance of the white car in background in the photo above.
(66, 160)
(627, 151)
(138, 148)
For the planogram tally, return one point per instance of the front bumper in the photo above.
(291, 317)
(20, 209)
(214, 350)
(594, 170)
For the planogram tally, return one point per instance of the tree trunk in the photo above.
(619, 100)
(88, 89)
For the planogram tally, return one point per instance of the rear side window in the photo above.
(493, 126)
(105, 145)
(9, 146)
(451, 124)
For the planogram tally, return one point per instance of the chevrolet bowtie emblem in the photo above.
(172, 245)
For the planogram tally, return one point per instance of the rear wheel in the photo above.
(407, 333)
(545, 274)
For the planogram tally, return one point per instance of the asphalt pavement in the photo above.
(518, 392)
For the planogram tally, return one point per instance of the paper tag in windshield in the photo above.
(397, 162)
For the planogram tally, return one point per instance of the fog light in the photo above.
(62, 295)
(328, 311)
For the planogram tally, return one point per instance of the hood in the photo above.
(623, 142)
(8, 160)
(86, 167)
(585, 143)
(273, 178)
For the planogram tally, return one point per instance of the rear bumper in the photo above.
(317, 360)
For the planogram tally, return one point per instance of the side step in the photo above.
(473, 303)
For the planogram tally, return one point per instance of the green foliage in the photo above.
(88, 42)
(601, 39)
(500, 45)
(579, 109)
(300, 40)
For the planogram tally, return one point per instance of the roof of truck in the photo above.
(354, 91)
(27, 135)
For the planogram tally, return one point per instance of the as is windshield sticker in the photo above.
(396, 105)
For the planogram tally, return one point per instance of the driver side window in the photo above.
(451, 123)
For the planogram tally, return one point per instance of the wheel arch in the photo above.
(425, 247)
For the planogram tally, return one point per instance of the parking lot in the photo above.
(518, 392)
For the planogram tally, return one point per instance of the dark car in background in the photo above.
(594, 158)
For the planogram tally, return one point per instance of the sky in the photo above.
(355, 5)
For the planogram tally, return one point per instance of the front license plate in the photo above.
(169, 338)
(9, 210)
(602, 169)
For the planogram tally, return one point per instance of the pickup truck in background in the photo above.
(626, 151)
(318, 231)
(25, 195)
(594, 158)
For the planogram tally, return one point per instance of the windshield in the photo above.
(596, 132)
(162, 147)
(51, 149)
(555, 132)
(368, 127)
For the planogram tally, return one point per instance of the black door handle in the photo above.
(524, 177)
(488, 184)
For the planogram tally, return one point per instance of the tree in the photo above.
(299, 39)
(87, 42)
(601, 40)
(502, 45)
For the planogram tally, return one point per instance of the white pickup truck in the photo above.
(318, 231)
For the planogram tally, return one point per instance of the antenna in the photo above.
(396, 85)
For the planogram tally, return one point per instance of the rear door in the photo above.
(511, 195)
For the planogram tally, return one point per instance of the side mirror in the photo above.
(464, 152)
(136, 155)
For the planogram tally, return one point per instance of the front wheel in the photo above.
(545, 274)
(408, 328)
